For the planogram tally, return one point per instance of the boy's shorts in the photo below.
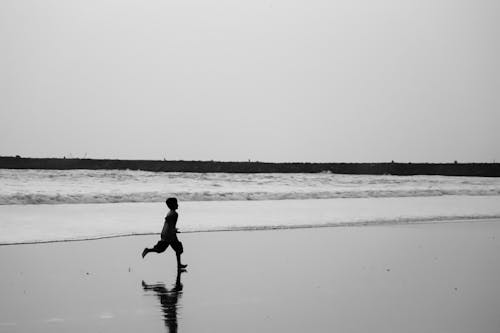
(163, 244)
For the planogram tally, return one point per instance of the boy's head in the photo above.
(172, 203)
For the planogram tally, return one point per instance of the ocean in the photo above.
(63, 205)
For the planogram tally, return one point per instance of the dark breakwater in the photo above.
(401, 169)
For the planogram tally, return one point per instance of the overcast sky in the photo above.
(285, 80)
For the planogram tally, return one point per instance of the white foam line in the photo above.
(102, 198)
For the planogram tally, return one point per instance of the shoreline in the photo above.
(392, 168)
(266, 229)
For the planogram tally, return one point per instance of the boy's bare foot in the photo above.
(144, 252)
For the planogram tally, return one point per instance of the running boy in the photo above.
(169, 234)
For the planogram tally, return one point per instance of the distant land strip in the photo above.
(392, 168)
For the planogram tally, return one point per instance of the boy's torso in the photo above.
(169, 231)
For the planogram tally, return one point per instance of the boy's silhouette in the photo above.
(169, 234)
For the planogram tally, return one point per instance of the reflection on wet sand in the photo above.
(169, 299)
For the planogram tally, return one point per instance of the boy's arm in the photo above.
(176, 229)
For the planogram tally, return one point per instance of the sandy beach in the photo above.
(413, 278)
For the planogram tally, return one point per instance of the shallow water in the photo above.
(42, 223)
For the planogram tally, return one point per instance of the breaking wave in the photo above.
(33, 187)
(87, 198)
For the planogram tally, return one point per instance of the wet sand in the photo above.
(413, 278)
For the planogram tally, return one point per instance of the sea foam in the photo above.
(23, 187)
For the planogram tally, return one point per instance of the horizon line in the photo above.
(234, 161)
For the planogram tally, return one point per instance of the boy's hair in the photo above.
(170, 202)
